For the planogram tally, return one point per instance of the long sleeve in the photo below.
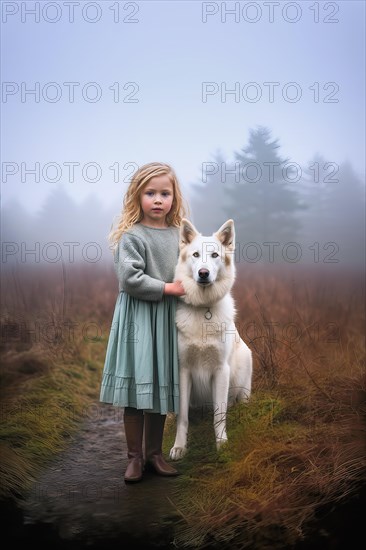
(130, 264)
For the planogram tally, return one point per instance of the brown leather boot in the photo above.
(134, 427)
(154, 460)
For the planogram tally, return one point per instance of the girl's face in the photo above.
(156, 200)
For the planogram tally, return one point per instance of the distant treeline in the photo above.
(283, 212)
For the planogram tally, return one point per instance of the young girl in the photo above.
(141, 364)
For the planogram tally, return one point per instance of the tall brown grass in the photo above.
(295, 447)
(54, 324)
(299, 445)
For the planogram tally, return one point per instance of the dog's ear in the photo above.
(187, 232)
(226, 234)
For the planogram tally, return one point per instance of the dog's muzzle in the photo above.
(203, 276)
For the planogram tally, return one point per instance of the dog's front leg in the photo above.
(180, 444)
(220, 390)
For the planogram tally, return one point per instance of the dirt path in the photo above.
(80, 502)
(81, 499)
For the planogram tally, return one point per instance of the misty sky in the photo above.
(157, 55)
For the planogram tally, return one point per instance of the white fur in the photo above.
(215, 364)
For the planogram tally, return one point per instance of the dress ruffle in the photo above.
(141, 364)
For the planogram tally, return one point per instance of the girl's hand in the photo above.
(174, 289)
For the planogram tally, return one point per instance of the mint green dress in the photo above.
(141, 362)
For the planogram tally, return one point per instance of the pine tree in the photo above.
(319, 177)
(264, 199)
(346, 216)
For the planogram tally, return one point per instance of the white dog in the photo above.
(215, 364)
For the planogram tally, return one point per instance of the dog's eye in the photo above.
(195, 254)
(214, 254)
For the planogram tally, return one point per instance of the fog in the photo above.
(283, 212)
(258, 106)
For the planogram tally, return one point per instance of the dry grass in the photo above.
(53, 341)
(298, 445)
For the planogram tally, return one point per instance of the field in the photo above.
(294, 468)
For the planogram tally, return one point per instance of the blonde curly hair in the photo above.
(131, 210)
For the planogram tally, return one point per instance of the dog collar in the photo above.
(208, 314)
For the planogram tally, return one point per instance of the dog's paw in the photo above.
(220, 443)
(177, 452)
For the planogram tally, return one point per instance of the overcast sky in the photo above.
(119, 84)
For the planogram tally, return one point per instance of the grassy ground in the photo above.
(296, 447)
(53, 342)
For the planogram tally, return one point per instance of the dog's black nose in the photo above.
(203, 273)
